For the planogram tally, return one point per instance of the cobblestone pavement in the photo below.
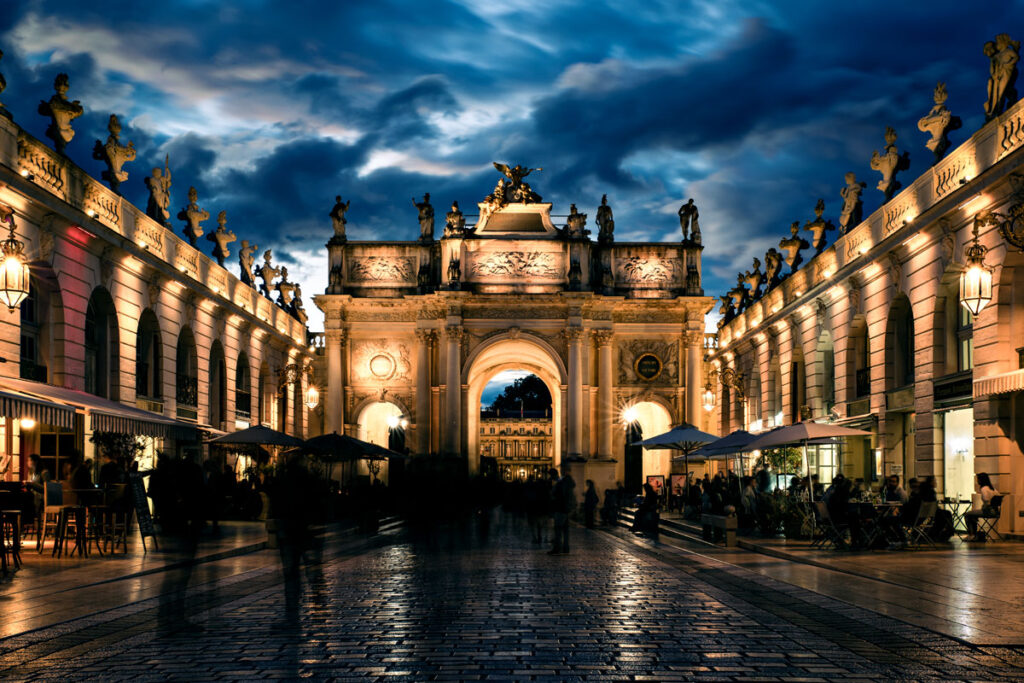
(435, 608)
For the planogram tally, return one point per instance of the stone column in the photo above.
(694, 376)
(453, 404)
(334, 407)
(605, 393)
(574, 335)
(424, 339)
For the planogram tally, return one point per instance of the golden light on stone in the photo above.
(14, 272)
(630, 415)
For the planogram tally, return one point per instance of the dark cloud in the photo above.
(754, 109)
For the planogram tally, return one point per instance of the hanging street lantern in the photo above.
(709, 397)
(976, 280)
(312, 396)
(14, 272)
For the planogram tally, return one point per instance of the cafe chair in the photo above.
(53, 503)
(10, 540)
(918, 530)
(833, 534)
(988, 522)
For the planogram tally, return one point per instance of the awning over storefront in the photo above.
(14, 404)
(1004, 383)
(106, 415)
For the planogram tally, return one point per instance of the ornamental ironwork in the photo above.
(1011, 228)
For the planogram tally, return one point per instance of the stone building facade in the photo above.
(417, 329)
(870, 332)
(518, 447)
(128, 328)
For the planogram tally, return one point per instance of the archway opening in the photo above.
(102, 352)
(525, 355)
(385, 424)
(642, 420)
(516, 440)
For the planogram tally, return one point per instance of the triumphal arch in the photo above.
(415, 330)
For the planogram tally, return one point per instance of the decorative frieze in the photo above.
(102, 204)
(383, 269)
(148, 234)
(516, 264)
(648, 270)
(186, 259)
(952, 172)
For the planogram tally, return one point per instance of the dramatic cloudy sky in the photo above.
(755, 109)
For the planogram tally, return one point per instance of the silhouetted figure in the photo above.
(589, 504)
(563, 500)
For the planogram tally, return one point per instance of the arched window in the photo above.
(243, 388)
(262, 387)
(101, 346)
(964, 338)
(41, 350)
(217, 402)
(754, 401)
(148, 358)
(776, 395)
(797, 385)
(187, 375)
(900, 344)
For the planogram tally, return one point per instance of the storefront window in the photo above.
(958, 452)
(823, 460)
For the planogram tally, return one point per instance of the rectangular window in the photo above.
(965, 340)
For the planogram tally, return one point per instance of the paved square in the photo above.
(445, 608)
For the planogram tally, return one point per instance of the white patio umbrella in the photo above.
(726, 447)
(684, 438)
(800, 434)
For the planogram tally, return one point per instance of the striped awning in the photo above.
(103, 414)
(14, 404)
(1005, 383)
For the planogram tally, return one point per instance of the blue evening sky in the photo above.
(755, 109)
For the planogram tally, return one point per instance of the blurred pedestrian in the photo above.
(563, 500)
(589, 504)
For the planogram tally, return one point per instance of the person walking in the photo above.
(589, 504)
(563, 501)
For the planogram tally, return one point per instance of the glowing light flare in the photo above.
(312, 397)
(630, 415)
(27, 423)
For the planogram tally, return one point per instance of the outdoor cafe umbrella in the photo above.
(684, 438)
(800, 434)
(731, 444)
(335, 447)
(257, 436)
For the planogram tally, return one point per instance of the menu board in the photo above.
(141, 503)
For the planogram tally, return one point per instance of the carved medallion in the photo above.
(648, 367)
(380, 360)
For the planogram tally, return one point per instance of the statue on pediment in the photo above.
(221, 238)
(454, 272)
(1003, 54)
(114, 155)
(819, 227)
(725, 308)
(517, 189)
(688, 216)
(426, 218)
(159, 185)
(772, 267)
(738, 294)
(246, 259)
(298, 310)
(62, 112)
(574, 224)
(267, 272)
(605, 222)
(193, 217)
(338, 221)
(284, 290)
(793, 245)
(753, 279)
(454, 222)
(852, 205)
(938, 122)
(889, 163)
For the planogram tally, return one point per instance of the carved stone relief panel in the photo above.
(635, 361)
(380, 360)
(502, 265)
(648, 270)
(383, 269)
